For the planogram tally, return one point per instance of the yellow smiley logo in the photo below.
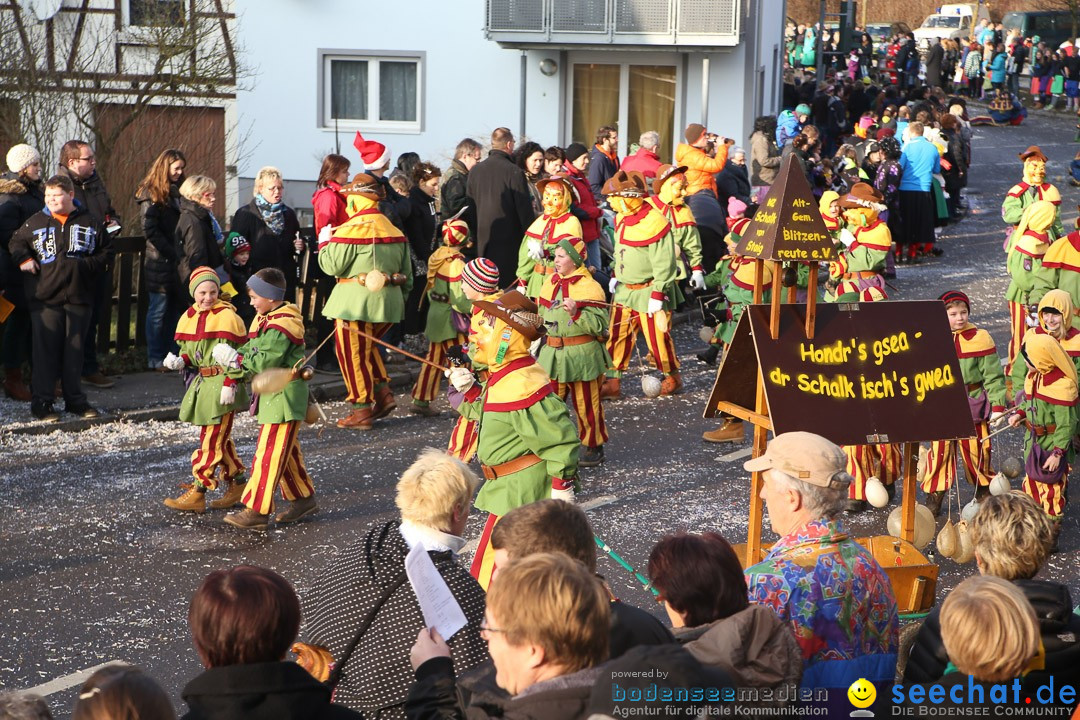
(862, 693)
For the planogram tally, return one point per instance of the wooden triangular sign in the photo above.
(736, 378)
(787, 225)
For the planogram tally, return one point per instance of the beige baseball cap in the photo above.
(804, 456)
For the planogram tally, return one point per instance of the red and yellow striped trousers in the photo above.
(584, 397)
(483, 564)
(866, 461)
(625, 324)
(427, 384)
(941, 461)
(1050, 497)
(359, 359)
(464, 439)
(1018, 326)
(215, 448)
(278, 461)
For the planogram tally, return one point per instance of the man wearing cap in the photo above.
(703, 155)
(831, 589)
(573, 353)
(1032, 188)
(644, 275)
(503, 205)
(528, 446)
(669, 199)
(556, 224)
(479, 281)
(370, 258)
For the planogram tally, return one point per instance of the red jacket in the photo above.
(329, 206)
(644, 161)
(586, 203)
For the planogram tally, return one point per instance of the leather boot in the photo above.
(193, 500)
(358, 419)
(1055, 532)
(934, 500)
(248, 519)
(708, 355)
(610, 390)
(671, 384)
(591, 457)
(298, 509)
(384, 403)
(730, 431)
(234, 491)
(14, 387)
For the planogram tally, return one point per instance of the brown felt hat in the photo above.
(863, 195)
(517, 311)
(561, 179)
(1034, 152)
(626, 184)
(663, 173)
(364, 184)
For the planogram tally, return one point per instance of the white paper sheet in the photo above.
(440, 609)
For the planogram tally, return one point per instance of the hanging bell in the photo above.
(650, 386)
(946, 540)
(374, 281)
(791, 276)
(965, 549)
(876, 494)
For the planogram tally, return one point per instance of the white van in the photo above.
(954, 20)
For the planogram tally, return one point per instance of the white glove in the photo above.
(172, 362)
(535, 249)
(566, 495)
(655, 306)
(462, 379)
(228, 395)
(225, 356)
(324, 235)
(996, 415)
(846, 237)
(612, 283)
(1031, 320)
(697, 280)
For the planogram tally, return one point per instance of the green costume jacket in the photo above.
(1021, 195)
(572, 363)
(644, 255)
(548, 232)
(1025, 263)
(980, 365)
(1061, 265)
(275, 340)
(445, 294)
(197, 333)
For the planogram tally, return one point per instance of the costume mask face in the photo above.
(1034, 172)
(673, 191)
(624, 205)
(556, 201)
(859, 217)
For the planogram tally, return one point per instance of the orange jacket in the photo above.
(700, 167)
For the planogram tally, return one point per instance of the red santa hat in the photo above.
(374, 154)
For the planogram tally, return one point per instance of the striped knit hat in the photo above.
(200, 275)
(951, 296)
(455, 232)
(872, 294)
(481, 275)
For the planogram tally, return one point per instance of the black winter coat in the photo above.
(1060, 636)
(733, 181)
(261, 691)
(503, 211)
(92, 195)
(420, 223)
(378, 674)
(267, 248)
(19, 200)
(601, 167)
(455, 195)
(934, 60)
(162, 254)
(71, 257)
(195, 240)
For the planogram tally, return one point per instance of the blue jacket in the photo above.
(919, 161)
(997, 68)
(787, 127)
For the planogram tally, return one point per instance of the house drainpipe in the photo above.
(524, 74)
(705, 91)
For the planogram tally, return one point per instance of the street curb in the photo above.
(328, 391)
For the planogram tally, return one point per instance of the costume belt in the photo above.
(1040, 430)
(210, 371)
(439, 297)
(542, 269)
(361, 279)
(637, 286)
(972, 387)
(493, 472)
(558, 342)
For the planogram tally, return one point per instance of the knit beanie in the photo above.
(802, 109)
(455, 232)
(481, 275)
(200, 275)
(574, 151)
(236, 243)
(735, 207)
(21, 156)
(575, 248)
(951, 296)
(693, 133)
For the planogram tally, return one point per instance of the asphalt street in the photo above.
(95, 568)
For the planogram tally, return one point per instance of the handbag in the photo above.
(980, 407)
(1033, 466)
(460, 322)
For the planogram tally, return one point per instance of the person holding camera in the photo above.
(704, 154)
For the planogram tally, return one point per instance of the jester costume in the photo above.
(863, 262)
(370, 258)
(669, 200)
(1062, 265)
(1032, 189)
(1055, 302)
(1026, 247)
(542, 237)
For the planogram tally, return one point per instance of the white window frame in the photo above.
(325, 119)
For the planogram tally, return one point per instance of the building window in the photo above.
(382, 92)
(155, 13)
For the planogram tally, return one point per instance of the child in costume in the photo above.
(644, 274)
(1032, 189)
(669, 199)
(573, 354)
(370, 258)
(1048, 411)
(863, 261)
(1062, 265)
(1026, 248)
(985, 383)
(479, 281)
(237, 255)
(209, 402)
(1055, 316)
(528, 445)
(448, 313)
(275, 340)
(555, 224)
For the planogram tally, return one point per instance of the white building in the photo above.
(420, 75)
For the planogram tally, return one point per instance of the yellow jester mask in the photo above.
(673, 191)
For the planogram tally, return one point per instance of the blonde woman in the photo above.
(271, 228)
(198, 234)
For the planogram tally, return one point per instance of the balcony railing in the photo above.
(521, 23)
